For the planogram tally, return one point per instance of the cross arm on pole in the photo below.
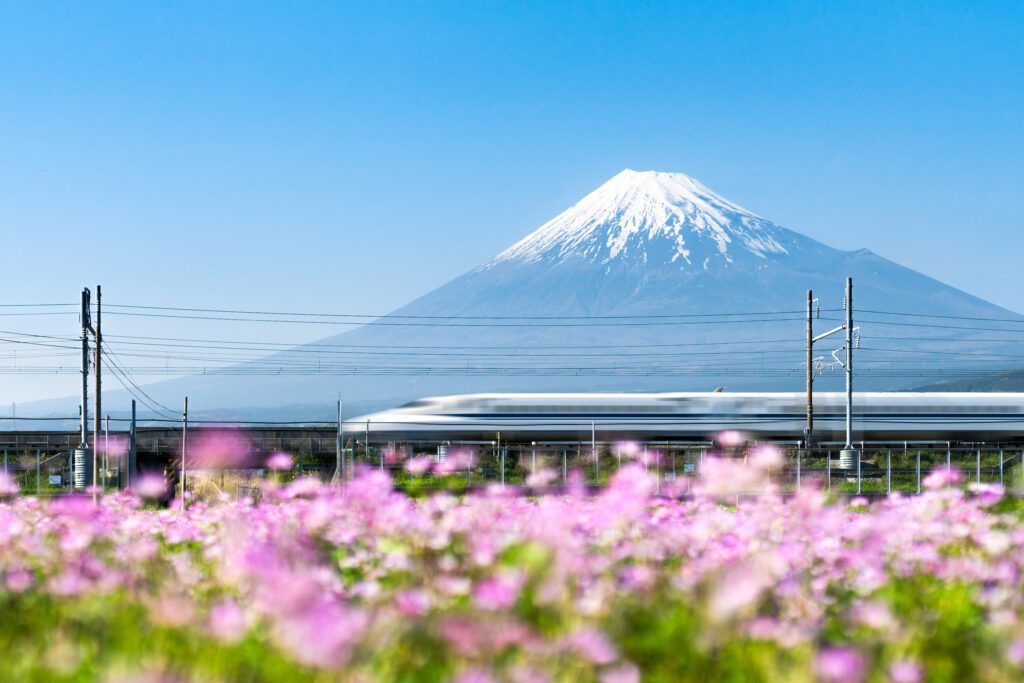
(829, 333)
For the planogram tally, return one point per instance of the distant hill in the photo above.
(1012, 381)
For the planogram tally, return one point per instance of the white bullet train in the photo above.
(877, 416)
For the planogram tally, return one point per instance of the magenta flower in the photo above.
(592, 645)
(626, 673)
(227, 621)
(151, 485)
(496, 593)
(281, 462)
(941, 478)
(905, 672)
(419, 465)
(840, 665)
(8, 485)
(412, 603)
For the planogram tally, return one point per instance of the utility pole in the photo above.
(98, 415)
(340, 438)
(848, 452)
(809, 430)
(184, 437)
(80, 462)
(106, 451)
(132, 455)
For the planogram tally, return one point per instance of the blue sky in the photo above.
(351, 156)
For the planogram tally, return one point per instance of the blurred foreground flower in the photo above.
(280, 462)
(151, 485)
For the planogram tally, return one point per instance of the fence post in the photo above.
(860, 456)
(799, 452)
(888, 470)
(39, 486)
(919, 470)
(977, 468)
(828, 470)
(565, 468)
(1000, 465)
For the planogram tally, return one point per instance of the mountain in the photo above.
(1012, 381)
(659, 245)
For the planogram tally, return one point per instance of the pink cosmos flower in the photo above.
(541, 478)
(840, 665)
(737, 589)
(905, 672)
(419, 465)
(412, 603)
(227, 621)
(627, 673)
(941, 478)
(730, 438)
(18, 581)
(151, 485)
(8, 485)
(592, 645)
(280, 462)
(765, 457)
(474, 676)
(220, 449)
(496, 593)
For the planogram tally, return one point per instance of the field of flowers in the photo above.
(320, 583)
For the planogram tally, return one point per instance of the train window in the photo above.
(418, 403)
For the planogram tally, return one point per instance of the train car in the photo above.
(877, 416)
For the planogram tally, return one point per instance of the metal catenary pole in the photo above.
(338, 447)
(106, 450)
(809, 429)
(132, 450)
(849, 364)
(184, 438)
(97, 369)
(81, 454)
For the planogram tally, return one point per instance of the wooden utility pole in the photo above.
(97, 415)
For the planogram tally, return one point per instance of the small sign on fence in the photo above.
(689, 467)
(55, 479)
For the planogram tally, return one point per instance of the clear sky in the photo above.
(351, 156)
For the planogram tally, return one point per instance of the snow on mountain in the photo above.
(642, 244)
(653, 218)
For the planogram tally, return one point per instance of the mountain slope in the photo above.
(642, 244)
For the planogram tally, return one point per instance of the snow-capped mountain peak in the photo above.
(652, 218)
